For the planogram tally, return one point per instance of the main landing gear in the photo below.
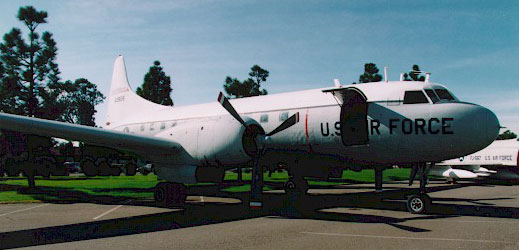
(419, 203)
(170, 194)
(296, 185)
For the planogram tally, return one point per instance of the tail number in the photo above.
(119, 99)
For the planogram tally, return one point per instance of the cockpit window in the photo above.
(434, 98)
(444, 95)
(414, 97)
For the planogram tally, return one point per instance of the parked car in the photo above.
(146, 169)
(72, 167)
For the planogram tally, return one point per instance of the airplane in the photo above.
(500, 160)
(314, 132)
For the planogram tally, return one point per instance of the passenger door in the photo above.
(353, 118)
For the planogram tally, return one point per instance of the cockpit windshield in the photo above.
(444, 94)
(434, 98)
(414, 97)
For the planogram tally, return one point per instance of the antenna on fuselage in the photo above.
(385, 74)
(337, 83)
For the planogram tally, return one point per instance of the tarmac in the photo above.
(463, 216)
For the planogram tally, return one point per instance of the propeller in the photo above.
(260, 140)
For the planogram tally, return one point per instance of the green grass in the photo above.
(348, 177)
(121, 186)
(141, 187)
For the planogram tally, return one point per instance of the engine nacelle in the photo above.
(217, 141)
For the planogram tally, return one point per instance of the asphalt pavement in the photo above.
(463, 216)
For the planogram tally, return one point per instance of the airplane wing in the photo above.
(149, 147)
(448, 172)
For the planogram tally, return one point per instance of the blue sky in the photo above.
(470, 46)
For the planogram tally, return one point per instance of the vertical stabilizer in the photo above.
(122, 101)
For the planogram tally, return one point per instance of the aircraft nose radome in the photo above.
(486, 124)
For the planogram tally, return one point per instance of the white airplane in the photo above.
(500, 160)
(313, 132)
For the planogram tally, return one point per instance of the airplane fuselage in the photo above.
(397, 132)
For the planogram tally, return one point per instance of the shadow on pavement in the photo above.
(276, 206)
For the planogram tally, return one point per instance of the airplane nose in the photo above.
(474, 128)
(485, 125)
(492, 124)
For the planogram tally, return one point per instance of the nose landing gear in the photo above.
(419, 203)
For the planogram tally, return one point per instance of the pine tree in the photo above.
(370, 74)
(30, 84)
(82, 96)
(414, 75)
(250, 87)
(506, 135)
(156, 86)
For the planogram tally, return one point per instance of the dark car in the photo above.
(146, 169)
(72, 167)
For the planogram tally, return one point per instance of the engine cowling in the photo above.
(216, 141)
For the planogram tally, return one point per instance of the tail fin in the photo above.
(122, 101)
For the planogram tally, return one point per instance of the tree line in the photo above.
(30, 82)
(31, 85)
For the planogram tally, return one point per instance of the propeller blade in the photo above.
(286, 124)
(227, 106)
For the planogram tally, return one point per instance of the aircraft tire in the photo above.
(296, 186)
(418, 203)
(160, 193)
(170, 194)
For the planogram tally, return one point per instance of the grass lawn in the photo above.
(139, 186)
(348, 177)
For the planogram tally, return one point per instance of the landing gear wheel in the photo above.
(418, 203)
(296, 186)
(170, 194)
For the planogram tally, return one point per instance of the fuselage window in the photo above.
(414, 97)
(444, 94)
(264, 118)
(162, 126)
(151, 126)
(142, 127)
(434, 98)
(283, 116)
